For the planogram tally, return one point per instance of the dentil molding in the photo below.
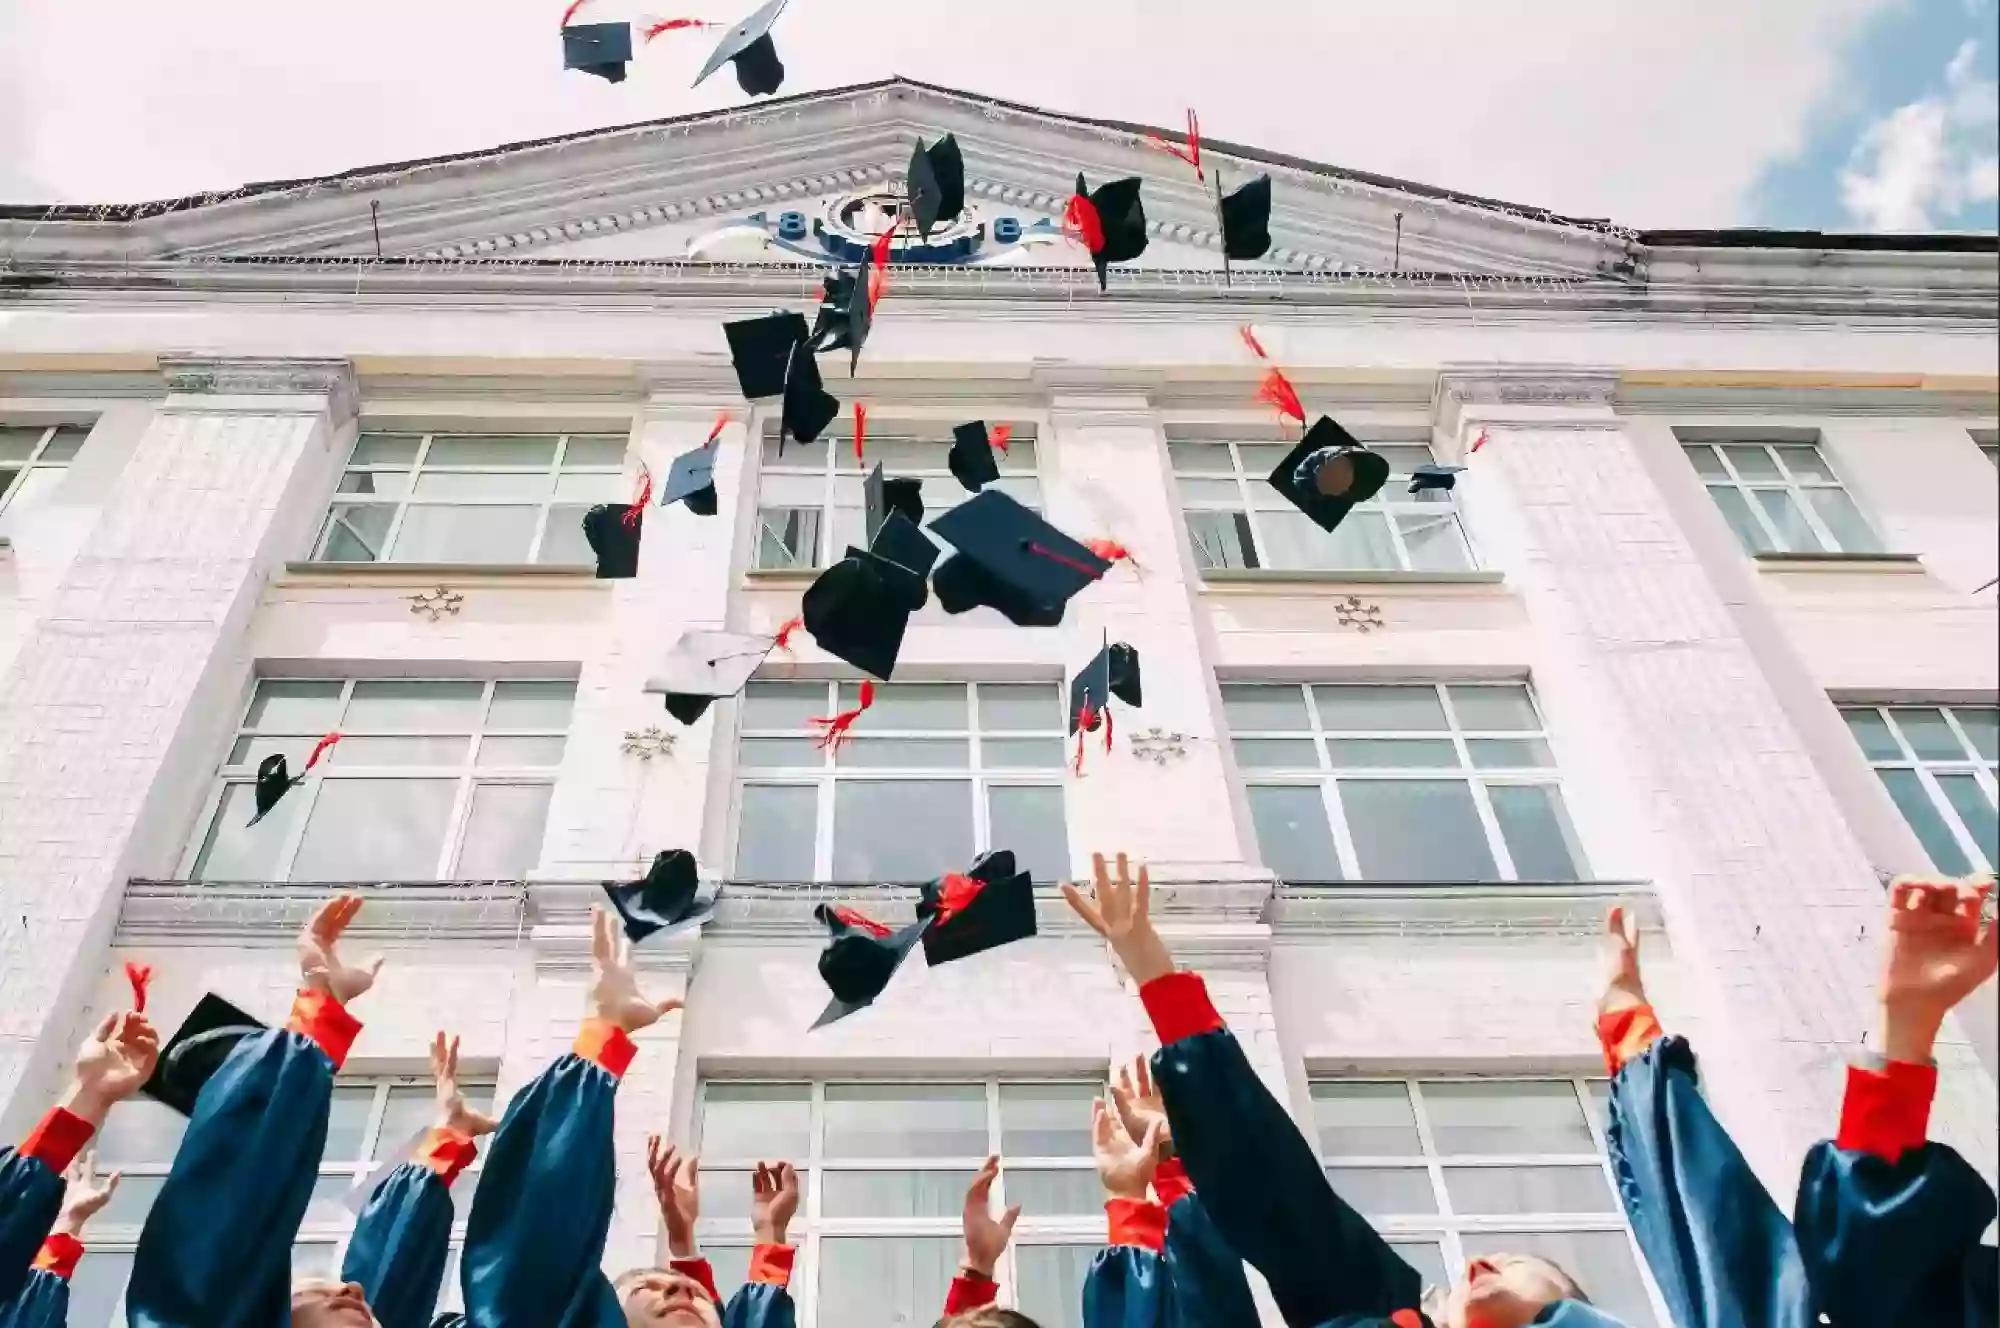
(258, 376)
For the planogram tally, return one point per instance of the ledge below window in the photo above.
(779, 578)
(398, 573)
(1260, 576)
(1574, 908)
(1838, 562)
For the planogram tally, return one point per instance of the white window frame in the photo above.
(826, 776)
(1327, 776)
(1985, 772)
(1988, 442)
(810, 1226)
(610, 490)
(1256, 498)
(469, 774)
(1797, 487)
(37, 458)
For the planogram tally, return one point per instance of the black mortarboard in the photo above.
(1114, 672)
(1358, 473)
(692, 480)
(1123, 219)
(859, 608)
(860, 957)
(884, 495)
(667, 898)
(1430, 475)
(845, 314)
(761, 349)
(1012, 560)
(598, 48)
(971, 458)
(808, 407)
(990, 905)
(274, 780)
(759, 72)
(703, 667)
(937, 183)
(197, 1050)
(614, 539)
(1246, 220)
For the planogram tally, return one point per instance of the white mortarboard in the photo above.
(705, 666)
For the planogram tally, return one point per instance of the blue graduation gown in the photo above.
(759, 1305)
(401, 1245)
(30, 1198)
(1195, 1281)
(42, 1303)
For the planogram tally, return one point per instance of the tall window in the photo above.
(883, 1168)
(1450, 1169)
(430, 781)
(1401, 783)
(471, 498)
(1237, 520)
(809, 498)
(32, 461)
(1939, 763)
(373, 1119)
(1782, 498)
(933, 774)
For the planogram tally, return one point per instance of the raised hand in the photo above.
(1119, 911)
(774, 1201)
(614, 986)
(84, 1195)
(320, 965)
(113, 1063)
(452, 1111)
(1941, 948)
(1619, 949)
(986, 1236)
(677, 1189)
(1140, 1105)
(1124, 1165)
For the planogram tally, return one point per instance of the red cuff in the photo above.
(1887, 1112)
(607, 1044)
(59, 1254)
(1625, 1034)
(701, 1272)
(1137, 1222)
(326, 1021)
(772, 1264)
(970, 1291)
(1171, 1183)
(447, 1152)
(1179, 1007)
(57, 1140)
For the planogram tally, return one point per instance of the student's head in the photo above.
(1503, 1291)
(320, 1303)
(662, 1298)
(991, 1316)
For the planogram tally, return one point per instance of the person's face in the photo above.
(664, 1299)
(318, 1303)
(1505, 1291)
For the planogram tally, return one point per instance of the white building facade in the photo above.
(1701, 628)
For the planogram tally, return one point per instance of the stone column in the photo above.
(106, 707)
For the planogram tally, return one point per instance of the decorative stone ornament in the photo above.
(648, 742)
(435, 604)
(1363, 615)
(1158, 745)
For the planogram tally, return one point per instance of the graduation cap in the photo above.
(1010, 559)
(667, 898)
(1110, 220)
(808, 407)
(197, 1050)
(971, 459)
(1430, 475)
(759, 71)
(845, 316)
(884, 496)
(859, 608)
(274, 781)
(1113, 672)
(598, 48)
(987, 907)
(613, 532)
(1246, 218)
(937, 183)
(860, 957)
(1328, 473)
(703, 667)
(761, 350)
(692, 480)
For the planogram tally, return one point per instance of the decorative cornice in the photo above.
(1541, 396)
(250, 376)
(192, 914)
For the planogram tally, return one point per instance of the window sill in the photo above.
(1573, 908)
(1839, 562)
(775, 578)
(1257, 576)
(318, 573)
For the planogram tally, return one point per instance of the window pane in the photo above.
(1012, 707)
(1276, 753)
(1049, 1282)
(357, 532)
(1537, 831)
(1055, 1194)
(448, 485)
(1250, 707)
(404, 707)
(787, 538)
(1426, 1256)
(375, 483)
(362, 750)
(1021, 753)
(1600, 1261)
(531, 705)
(237, 851)
(1380, 1191)
(1365, 1120)
(755, 1120)
(1198, 458)
(1391, 753)
(503, 832)
(912, 706)
(1982, 728)
(783, 705)
(901, 830)
(563, 540)
(870, 1282)
(906, 1120)
(726, 1198)
(134, 1199)
(1975, 812)
(1211, 494)
(1403, 458)
(1752, 462)
(1510, 754)
(1872, 732)
(1704, 459)
(893, 1193)
(94, 1290)
(774, 838)
(141, 1130)
(294, 707)
(1221, 541)
(1735, 509)
(1046, 1120)
(411, 1110)
(905, 754)
(375, 829)
(1805, 462)
(491, 450)
(1379, 709)
(1495, 709)
(1928, 735)
(594, 450)
(439, 534)
(781, 753)
(1795, 535)
(1291, 540)
(1484, 1190)
(1434, 543)
(1914, 801)
(1260, 459)
(384, 449)
(347, 1122)
(313, 1260)
(1468, 1116)
(18, 442)
(1416, 830)
(1028, 818)
(1293, 837)
(1843, 519)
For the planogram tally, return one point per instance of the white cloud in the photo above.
(1929, 159)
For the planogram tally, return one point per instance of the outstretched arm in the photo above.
(986, 1239)
(765, 1301)
(1129, 1285)
(44, 1301)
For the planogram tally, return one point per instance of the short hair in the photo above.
(988, 1316)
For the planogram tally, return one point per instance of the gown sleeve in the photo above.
(216, 1250)
(535, 1240)
(1889, 1225)
(1166, 1265)
(31, 1191)
(765, 1300)
(1259, 1180)
(44, 1301)
(1209, 1284)
(1128, 1285)
(1719, 1247)
(403, 1239)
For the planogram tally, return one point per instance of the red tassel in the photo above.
(1480, 441)
(878, 267)
(1077, 765)
(674, 24)
(140, 976)
(721, 423)
(570, 13)
(1111, 551)
(631, 517)
(1082, 224)
(1001, 433)
(1277, 390)
(833, 728)
(860, 427)
(784, 637)
(957, 895)
(1249, 335)
(319, 750)
(1043, 551)
(861, 922)
(1191, 154)
(1107, 730)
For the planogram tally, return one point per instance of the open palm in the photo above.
(1940, 945)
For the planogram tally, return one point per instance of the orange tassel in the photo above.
(833, 728)
(631, 517)
(861, 922)
(783, 640)
(319, 749)
(1081, 223)
(721, 423)
(1191, 154)
(1001, 433)
(1277, 390)
(956, 896)
(878, 268)
(1249, 335)
(1480, 441)
(860, 427)
(1110, 551)
(140, 976)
